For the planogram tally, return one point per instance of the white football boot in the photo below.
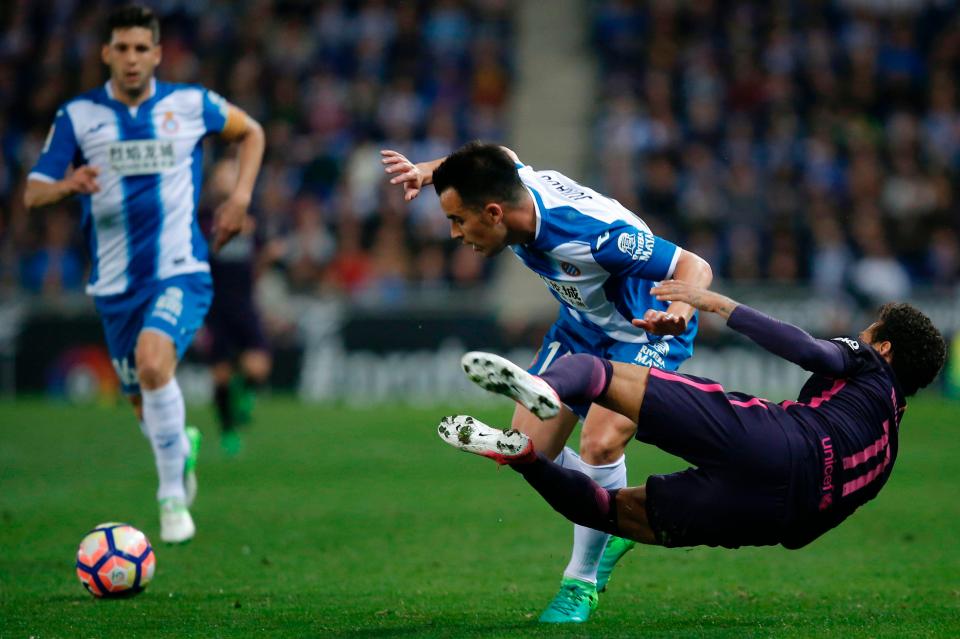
(498, 375)
(473, 436)
(176, 524)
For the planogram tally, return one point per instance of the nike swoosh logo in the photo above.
(96, 128)
(603, 238)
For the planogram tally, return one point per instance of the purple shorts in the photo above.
(751, 462)
(234, 331)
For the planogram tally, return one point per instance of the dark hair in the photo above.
(132, 15)
(480, 173)
(918, 348)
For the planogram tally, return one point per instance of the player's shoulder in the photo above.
(849, 343)
(858, 350)
(84, 107)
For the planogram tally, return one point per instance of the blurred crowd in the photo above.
(790, 142)
(793, 142)
(332, 83)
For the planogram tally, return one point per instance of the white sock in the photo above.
(164, 418)
(589, 544)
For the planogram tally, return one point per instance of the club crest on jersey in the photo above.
(569, 269)
(639, 245)
(170, 124)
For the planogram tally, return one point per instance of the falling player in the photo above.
(765, 473)
(136, 148)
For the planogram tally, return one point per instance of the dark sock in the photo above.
(572, 494)
(221, 397)
(252, 385)
(579, 378)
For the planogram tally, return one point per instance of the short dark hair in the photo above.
(132, 15)
(918, 348)
(481, 173)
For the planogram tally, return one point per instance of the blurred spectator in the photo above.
(791, 136)
(332, 82)
(57, 265)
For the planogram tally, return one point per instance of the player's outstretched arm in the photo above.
(82, 181)
(230, 216)
(693, 270)
(414, 176)
(780, 338)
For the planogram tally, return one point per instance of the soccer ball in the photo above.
(115, 560)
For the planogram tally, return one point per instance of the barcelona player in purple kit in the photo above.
(765, 473)
(240, 358)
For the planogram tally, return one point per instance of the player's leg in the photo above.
(222, 373)
(577, 596)
(603, 439)
(164, 417)
(254, 364)
(173, 318)
(570, 492)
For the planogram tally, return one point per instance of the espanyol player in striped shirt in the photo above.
(599, 261)
(765, 472)
(136, 148)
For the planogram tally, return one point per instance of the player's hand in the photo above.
(699, 298)
(404, 172)
(229, 220)
(83, 180)
(661, 323)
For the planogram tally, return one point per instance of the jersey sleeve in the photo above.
(214, 111)
(58, 151)
(624, 249)
(853, 353)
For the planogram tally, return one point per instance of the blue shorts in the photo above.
(564, 338)
(175, 307)
(755, 471)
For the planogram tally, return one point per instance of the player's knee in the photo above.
(598, 448)
(153, 369)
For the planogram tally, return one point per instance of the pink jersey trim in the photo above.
(673, 377)
(709, 388)
(870, 451)
(863, 480)
(816, 401)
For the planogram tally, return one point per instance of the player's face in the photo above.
(132, 56)
(483, 230)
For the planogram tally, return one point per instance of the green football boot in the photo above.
(230, 443)
(573, 604)
(190, 464)
(616, 548)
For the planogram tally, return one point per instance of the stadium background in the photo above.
(808, 149)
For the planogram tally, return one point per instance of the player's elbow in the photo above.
(694, 269)
(31, 196)
(255, 130)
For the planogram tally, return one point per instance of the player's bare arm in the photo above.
(691, 271)
(414, 176)
(82, 181)
(231, 215)
(697, 297)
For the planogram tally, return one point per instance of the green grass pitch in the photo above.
(340, 522)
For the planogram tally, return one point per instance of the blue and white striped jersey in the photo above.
(597, 258)
(142, 225)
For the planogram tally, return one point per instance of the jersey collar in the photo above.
(151, 92)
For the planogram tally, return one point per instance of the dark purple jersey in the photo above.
(849, 409)
(853, 420)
